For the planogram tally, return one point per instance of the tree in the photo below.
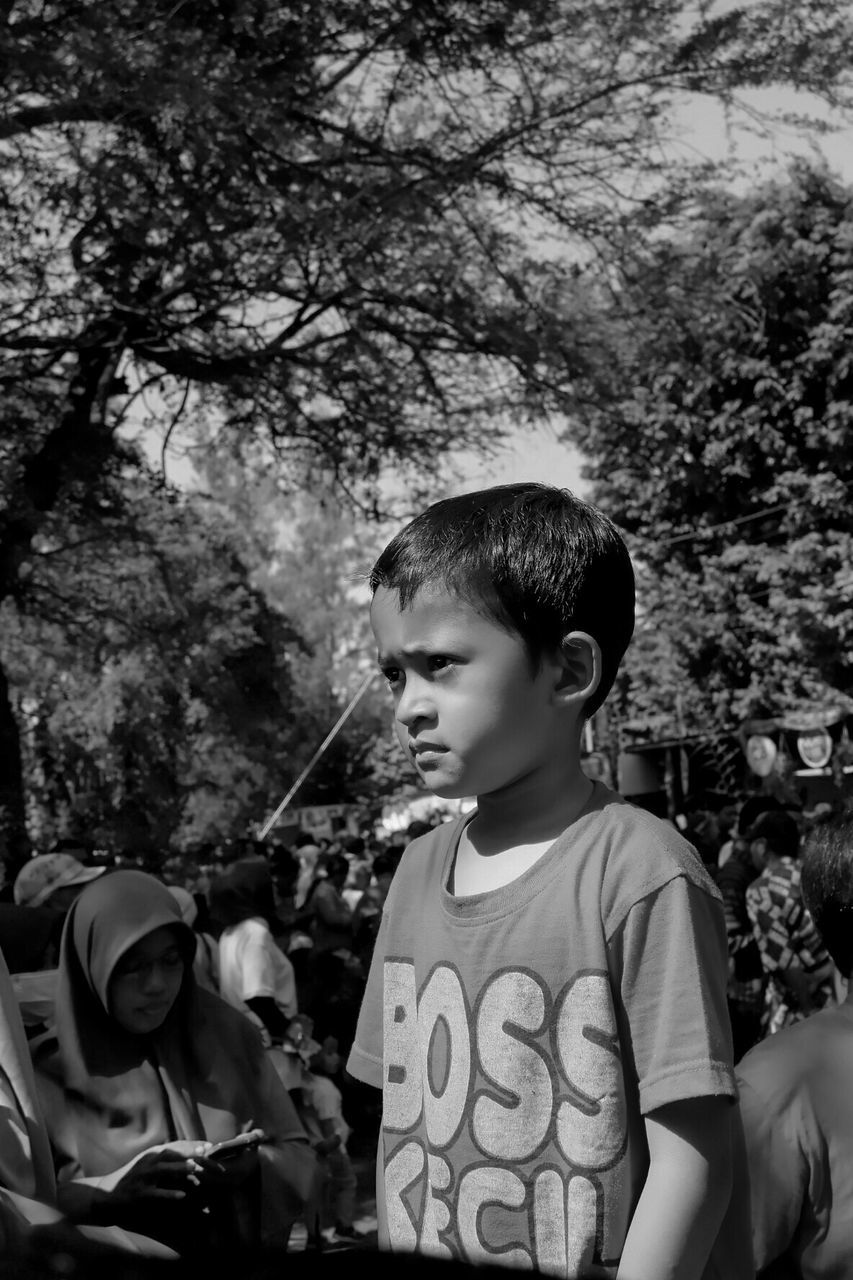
(338, 235)
(156, 691)
(310, 561)
(724, 448)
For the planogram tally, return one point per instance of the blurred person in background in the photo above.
(320, 1106)
(798, 968)
(747, 979)
(307, 849)
(53, 879)
(254, 973)
(332, 977)
(206, 960)
(284, 869)
(796, 1101)
(368, 911)
(44, 891)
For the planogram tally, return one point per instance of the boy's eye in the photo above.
(391, 674)
(438, 662)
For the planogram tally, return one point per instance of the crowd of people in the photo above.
(277, 942)
(247, 970)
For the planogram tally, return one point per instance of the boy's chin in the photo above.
(446, 790)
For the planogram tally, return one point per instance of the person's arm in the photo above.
(330, 1140)
(163, 1172)
(270, 1015)
(686, 1192)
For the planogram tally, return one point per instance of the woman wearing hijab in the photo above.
(143, 1070)
(30, 1223)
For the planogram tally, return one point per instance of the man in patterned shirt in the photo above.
(800, 973)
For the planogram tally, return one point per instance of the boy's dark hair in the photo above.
(827, 887)
(540, 562)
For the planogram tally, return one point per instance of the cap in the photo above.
(47, 872)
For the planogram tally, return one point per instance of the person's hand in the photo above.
(166, 1172)
(211, 1172)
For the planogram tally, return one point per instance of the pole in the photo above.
(354, 700)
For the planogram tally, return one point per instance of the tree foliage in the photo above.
(725, 450)
(343, 236)
(155, 688)
(311, 563)
(343, 227)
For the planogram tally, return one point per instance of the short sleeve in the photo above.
(365, 1059)
(670, 962)
(257, 970)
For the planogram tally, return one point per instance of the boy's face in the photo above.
(470, 711)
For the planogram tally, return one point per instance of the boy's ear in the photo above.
(581, 668)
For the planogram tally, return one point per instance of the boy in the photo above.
(796, 1099)
(545, 1011)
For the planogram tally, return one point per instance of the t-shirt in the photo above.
(520, 1036)
(251, 964)
(797, 1109)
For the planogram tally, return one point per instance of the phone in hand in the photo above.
(233, 1147)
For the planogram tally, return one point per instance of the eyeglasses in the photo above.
(139, 970)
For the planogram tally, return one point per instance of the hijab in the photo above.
(109, 1095)
(102, 1062)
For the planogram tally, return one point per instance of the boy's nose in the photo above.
(414, 704)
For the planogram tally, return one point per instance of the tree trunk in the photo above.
(14, 841)
(76, 450)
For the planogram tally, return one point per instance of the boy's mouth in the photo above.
(423, 750)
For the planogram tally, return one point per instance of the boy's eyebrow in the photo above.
(407, 651)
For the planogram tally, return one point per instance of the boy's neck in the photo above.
(501, 843)
(529, 814)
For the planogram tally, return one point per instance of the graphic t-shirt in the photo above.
(520, 1035)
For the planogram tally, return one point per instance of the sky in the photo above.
(534, 453)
